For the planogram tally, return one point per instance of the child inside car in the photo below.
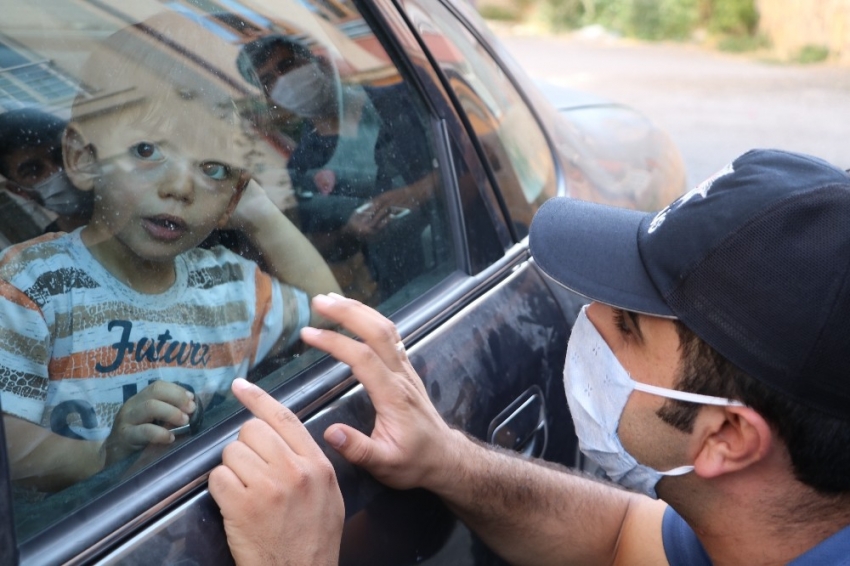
(114, 334)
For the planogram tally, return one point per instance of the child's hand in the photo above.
(167, 404)
(254, 205)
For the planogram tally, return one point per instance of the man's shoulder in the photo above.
(681, 545)
(834, 551)
(396, 92)
(391, 102)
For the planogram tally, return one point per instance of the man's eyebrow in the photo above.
(635, 318)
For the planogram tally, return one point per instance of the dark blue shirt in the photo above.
(683, 548)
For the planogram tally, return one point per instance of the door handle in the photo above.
(522, 426)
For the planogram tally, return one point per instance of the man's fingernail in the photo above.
(323, 300)
(335, 295)
(310, 332)
(192, 407)
(240, 383)
(336, 438)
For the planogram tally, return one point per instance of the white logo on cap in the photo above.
(701, 191)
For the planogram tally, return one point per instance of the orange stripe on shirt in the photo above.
(16, 296)
(82, 365)
(13, 251)
(263, 293)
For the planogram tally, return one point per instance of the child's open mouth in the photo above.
(164, 227)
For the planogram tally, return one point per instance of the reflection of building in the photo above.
(45, 43)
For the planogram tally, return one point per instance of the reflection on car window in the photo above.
(168, 224)
(510, 137)
(358, 171)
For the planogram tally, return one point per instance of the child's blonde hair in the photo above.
(172, 78)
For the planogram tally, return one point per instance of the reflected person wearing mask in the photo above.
(38, 198)
(354, 176)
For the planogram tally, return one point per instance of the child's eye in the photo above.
(215, 171)
(147, 151)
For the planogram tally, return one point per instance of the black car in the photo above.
(426, 121)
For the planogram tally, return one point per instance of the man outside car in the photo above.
(710, 372)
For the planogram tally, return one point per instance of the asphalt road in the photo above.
(714, 105)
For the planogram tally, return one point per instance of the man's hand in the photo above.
(410, 445)
(134, 428)
(277, 491)
(325, 181)
(366, 222)
(410, 197)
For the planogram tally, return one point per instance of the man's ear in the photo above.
(79, 159)
(733, 439)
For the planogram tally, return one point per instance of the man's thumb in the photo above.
(352, 444)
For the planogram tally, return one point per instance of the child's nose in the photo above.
(180, 183)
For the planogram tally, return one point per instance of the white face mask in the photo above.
(56, 193)
(597, 389)
(307, 91)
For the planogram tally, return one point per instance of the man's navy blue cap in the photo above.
(755, 261)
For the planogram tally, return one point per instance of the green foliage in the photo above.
(649, 19)
(499, 13)
(743, 43)
(812, 54)
(657, 19)
(563, 14)
(733, 17)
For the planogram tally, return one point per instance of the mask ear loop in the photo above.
(686, 396)
(680, 471)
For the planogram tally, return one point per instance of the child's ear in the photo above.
(79, 158)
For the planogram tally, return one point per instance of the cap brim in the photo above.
(592, 249)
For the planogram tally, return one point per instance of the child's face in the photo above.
(159, 189)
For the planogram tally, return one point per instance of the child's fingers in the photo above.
(166, 392)
(139, 436)
(152, 410)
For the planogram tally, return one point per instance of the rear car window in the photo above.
(177, 179)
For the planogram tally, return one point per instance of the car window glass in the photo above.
(510, 138)
(177, 179)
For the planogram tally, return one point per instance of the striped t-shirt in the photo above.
(76, 341)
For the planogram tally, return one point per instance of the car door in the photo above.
(482, 326)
